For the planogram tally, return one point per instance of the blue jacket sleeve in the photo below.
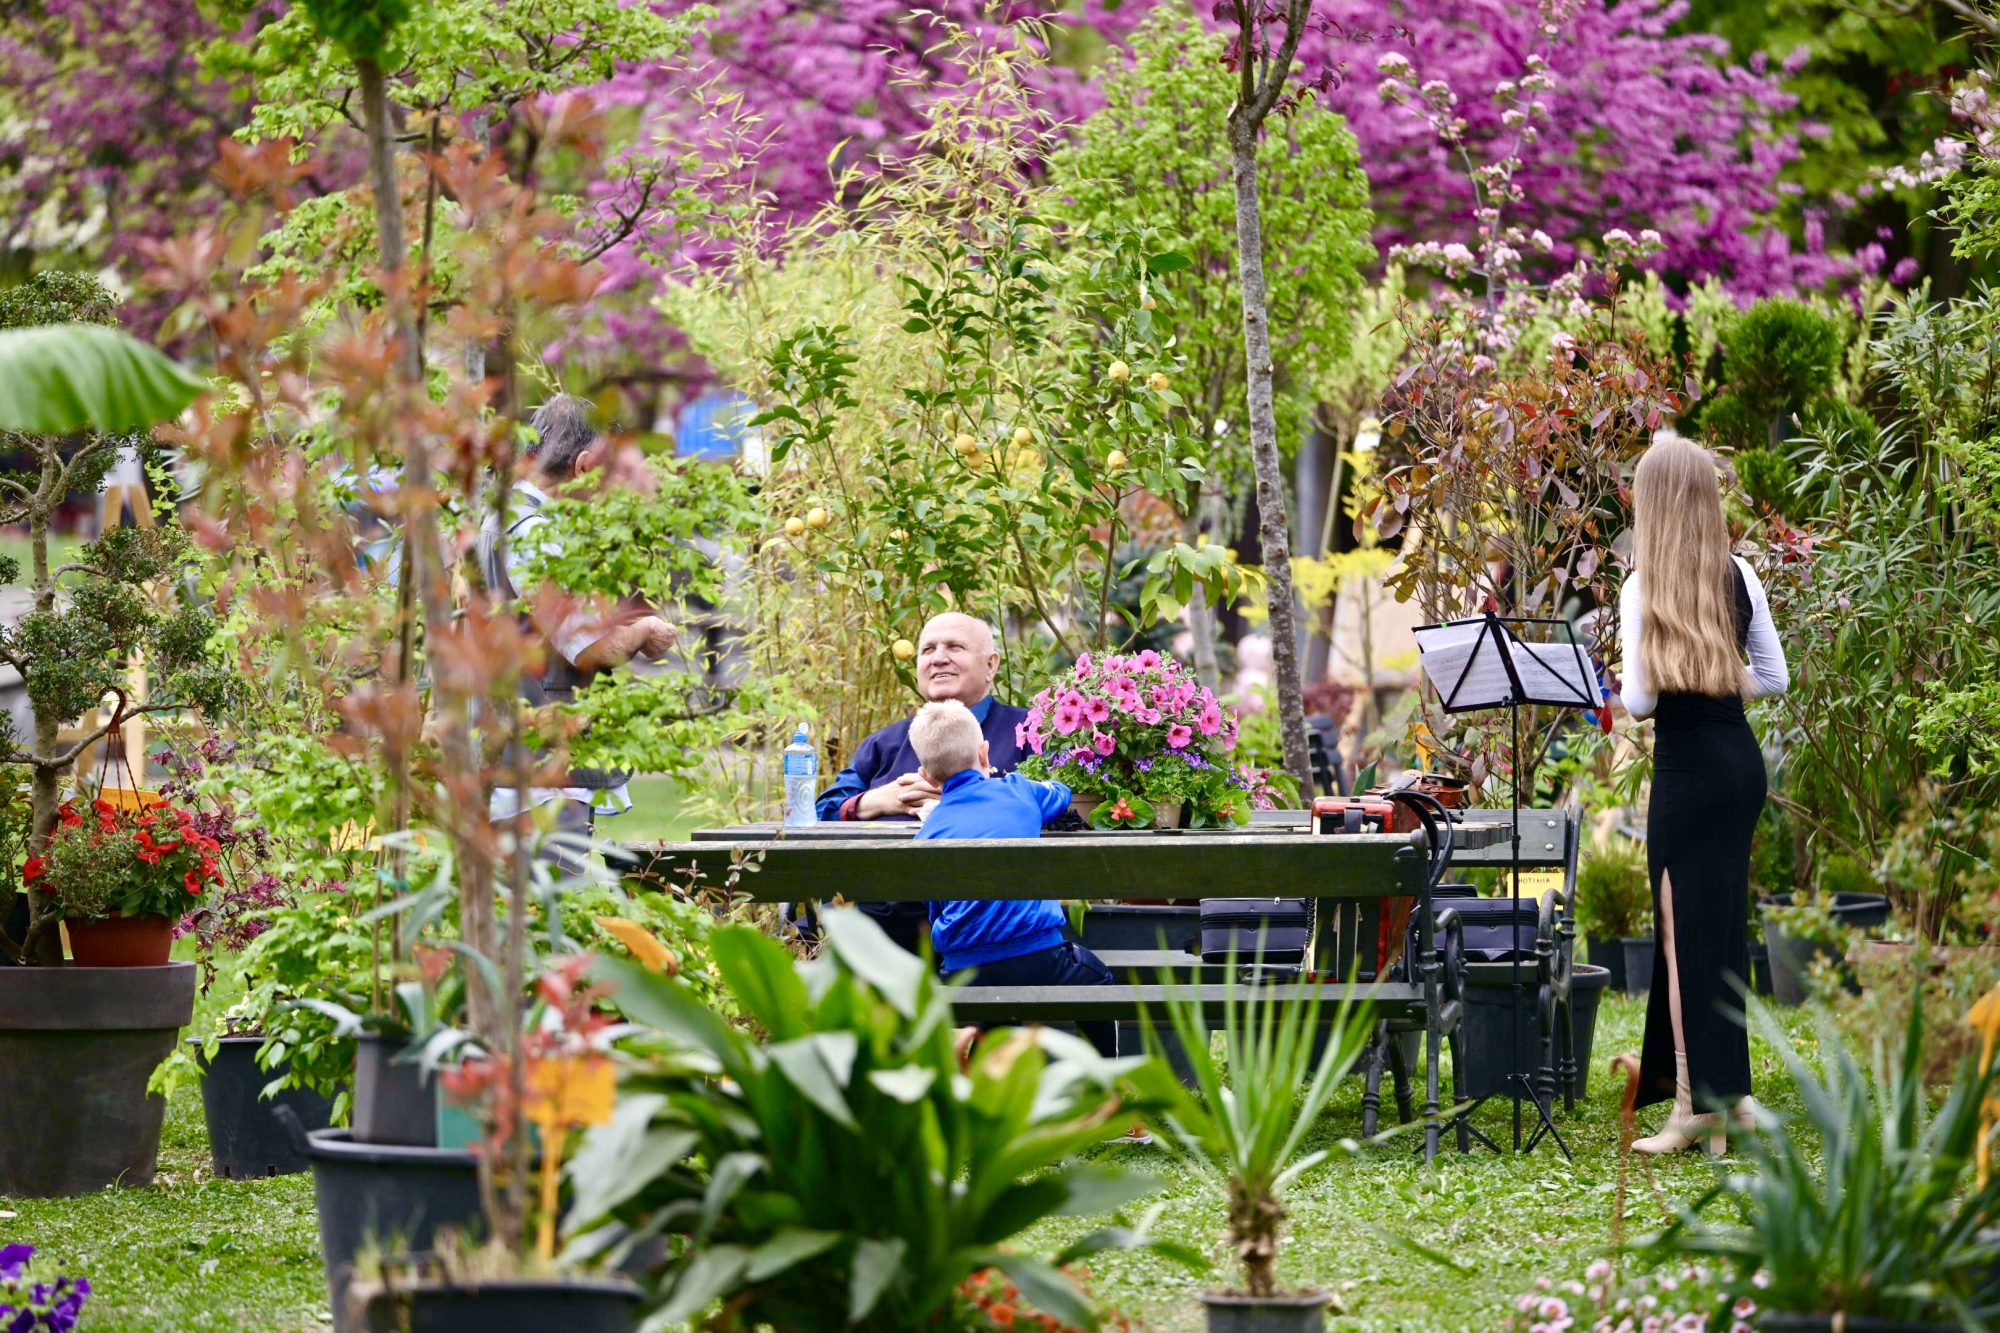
(1055, 798)
(846, 783)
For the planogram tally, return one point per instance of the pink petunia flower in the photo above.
(1179, 735)
(1147, 659)
(1097, 710)
(1081, 755)
(1083, 664)
(1068, 718)
(1210, 720)
(1103, 743)
(1149, 716)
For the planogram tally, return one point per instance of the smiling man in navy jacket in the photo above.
(955, 660)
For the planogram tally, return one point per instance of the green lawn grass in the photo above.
(192, 1252)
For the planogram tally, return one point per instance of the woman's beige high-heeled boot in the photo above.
(1744, 1113)
(1684, 1129)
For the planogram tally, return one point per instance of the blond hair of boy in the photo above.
(948, 741)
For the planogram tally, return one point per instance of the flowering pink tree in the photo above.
(1598, 115)
(107, 132)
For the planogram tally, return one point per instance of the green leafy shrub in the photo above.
(836, 1167)
(1614, 890)
(1866, 1204)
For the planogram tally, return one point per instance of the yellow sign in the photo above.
(572, 1091)
(1984, 1018)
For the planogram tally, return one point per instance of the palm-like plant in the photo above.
(1247, 1120)
(837, 1169)
(1867, 1205)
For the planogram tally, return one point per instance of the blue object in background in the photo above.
(714, 426)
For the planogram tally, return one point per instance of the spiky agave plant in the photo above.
(1246, 1127)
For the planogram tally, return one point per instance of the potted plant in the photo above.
(1245, 1122)
(1868, 1211)
(1614, 905)
(830, 1162)
(78, 1043)
(1140, 742)
(124, 877)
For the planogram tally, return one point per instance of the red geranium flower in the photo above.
(192, 882)
(33, 870)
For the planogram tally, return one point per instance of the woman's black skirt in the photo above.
(1708, 789)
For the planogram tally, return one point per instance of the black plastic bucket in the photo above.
(386, 1197)
(574, 1305)
(1489, 1019)
(395, 1100)
(245, 1140)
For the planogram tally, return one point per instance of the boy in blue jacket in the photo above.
(1015, 943)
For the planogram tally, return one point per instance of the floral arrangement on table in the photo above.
(107, 860)
(1140, 735)
(32, 1301)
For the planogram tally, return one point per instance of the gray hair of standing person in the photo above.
(563, 430)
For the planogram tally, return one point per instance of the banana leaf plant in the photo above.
(836, 1168)
(1246, 1121)
(1870, 1204)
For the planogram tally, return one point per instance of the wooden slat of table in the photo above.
(1070, 1004)
(1157, 865)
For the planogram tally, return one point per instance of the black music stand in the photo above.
(1477, 663)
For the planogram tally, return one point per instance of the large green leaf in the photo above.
(876, 1263)
(59, 378)
(874, 957)
(819, 1067)
(711, 1273)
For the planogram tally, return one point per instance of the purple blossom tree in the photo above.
(111, 133)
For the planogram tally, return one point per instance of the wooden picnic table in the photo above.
(1276, 855)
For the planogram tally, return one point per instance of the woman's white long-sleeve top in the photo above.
(1769, 672)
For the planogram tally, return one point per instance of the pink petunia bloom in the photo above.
(1178, 736)
(1083, 664)
(1148, 659)
(1103, 743)
(1124, 703)
(1122, 684)
(1097, 710)
(1073, 699)
(1149, 716)
(1081, 755)
(1068, 719)
(1210, 720)
(1165, 696)
(1021, 732)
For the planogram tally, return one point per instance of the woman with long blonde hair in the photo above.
(1690, 613)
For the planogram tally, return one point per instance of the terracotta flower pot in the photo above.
(121, 941)
(1083, 805)
(1166, 814)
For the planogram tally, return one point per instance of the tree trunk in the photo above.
(1272, 515)
(423, 565)
(42, 945)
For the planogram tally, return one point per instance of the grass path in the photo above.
(195, 1253)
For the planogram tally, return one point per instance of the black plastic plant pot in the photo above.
(245, 1140)
(385, 1198)
(395, 1100)
(1781, 1321)
(1791, 962)
(1489, 1026)
(1609, 953)
(77, 1048)
(429, 1304)
(1296, 1312)
(1629, 961)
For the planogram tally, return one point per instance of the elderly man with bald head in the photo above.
(955, 660)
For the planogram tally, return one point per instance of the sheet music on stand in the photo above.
(1481, 662)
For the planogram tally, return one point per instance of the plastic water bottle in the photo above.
(801, 780)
